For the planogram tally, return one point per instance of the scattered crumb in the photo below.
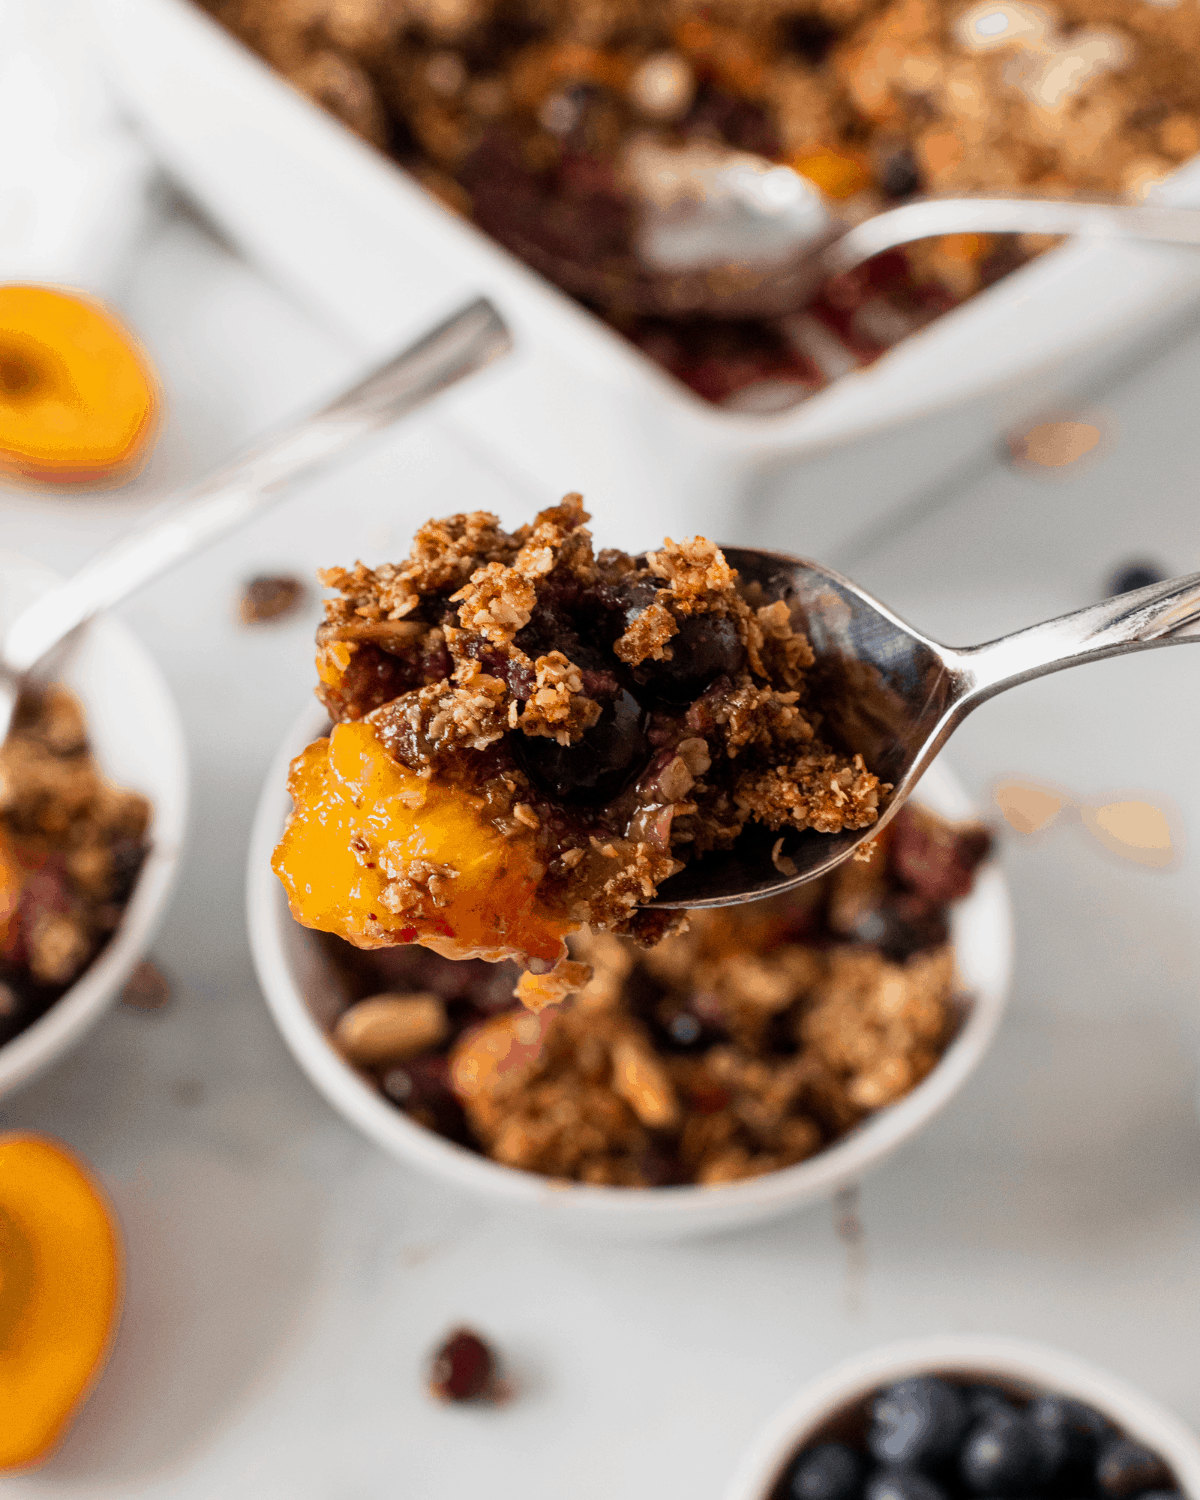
(1054, 445)
(147, 988)
(466, 1368)
(1137, 831)
(270, 597)
(1026, 806)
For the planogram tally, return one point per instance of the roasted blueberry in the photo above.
(808, 36)
(595, 768)
(1070, 1434)
(830, 1471)
(705, 647)
(899, 174)
(899, 926)
(902, 1484)
(685, 1030)
(917, 1422)
(421, 1087)
(1125, 1468)
(1003, 1456)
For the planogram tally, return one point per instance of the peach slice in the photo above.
(60, 1292)
(380, 856)
(78, 401)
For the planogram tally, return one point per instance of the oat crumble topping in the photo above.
(585, 723)
(745, 1044)
(71, 847)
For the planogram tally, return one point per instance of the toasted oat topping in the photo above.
(71, 845)
(617, 715)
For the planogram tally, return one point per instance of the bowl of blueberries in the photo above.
(968, 1417)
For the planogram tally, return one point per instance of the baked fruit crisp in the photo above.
(529, 738)
(749, 1043)
(71, 847)
(521, 114)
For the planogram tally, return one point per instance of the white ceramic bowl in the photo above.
(377, 258)
(137, 739)
(302, 992)
(1033, 1366)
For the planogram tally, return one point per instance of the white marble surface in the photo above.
(286, 1280)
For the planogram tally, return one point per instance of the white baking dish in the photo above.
(378, 259)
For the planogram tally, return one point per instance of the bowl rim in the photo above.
(1056, 1370)
(813, 426)
(65, 1023)
(268, 920)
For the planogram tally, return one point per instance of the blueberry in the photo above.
(1070, 1433)
(899, 926)
(917, 1422)
(1003, 1455)
(595, 768)
(705, 647)
(1126, 1468)
(685, 1029)
(830, 1471)
(808, 36)
(899, 174)
(985, 1401)
(1135, 575)
(902, 1484)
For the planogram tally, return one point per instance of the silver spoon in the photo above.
(896, 696)
(36, 641)
(726, 234)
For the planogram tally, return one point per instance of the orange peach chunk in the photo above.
(381, 856)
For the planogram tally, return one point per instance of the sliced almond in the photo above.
(390, 1028)
(642, 1081)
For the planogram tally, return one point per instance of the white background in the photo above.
(286, 1280)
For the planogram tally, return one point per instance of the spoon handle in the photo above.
(1162, 614)
(925, 217)
(464, 343)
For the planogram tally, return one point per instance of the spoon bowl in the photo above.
(895, 696)
(721, 233)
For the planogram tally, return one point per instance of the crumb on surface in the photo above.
(147, 988)
(269, 597)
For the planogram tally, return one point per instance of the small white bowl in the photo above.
(302, 992)
(136, 737)
(1033, 1366)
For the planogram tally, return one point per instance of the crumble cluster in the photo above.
(744, 1045)
(627, 713)
(71, 846)
(519, 114)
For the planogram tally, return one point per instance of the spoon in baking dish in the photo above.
(34, 644)
(720, 233)
(896, 696)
